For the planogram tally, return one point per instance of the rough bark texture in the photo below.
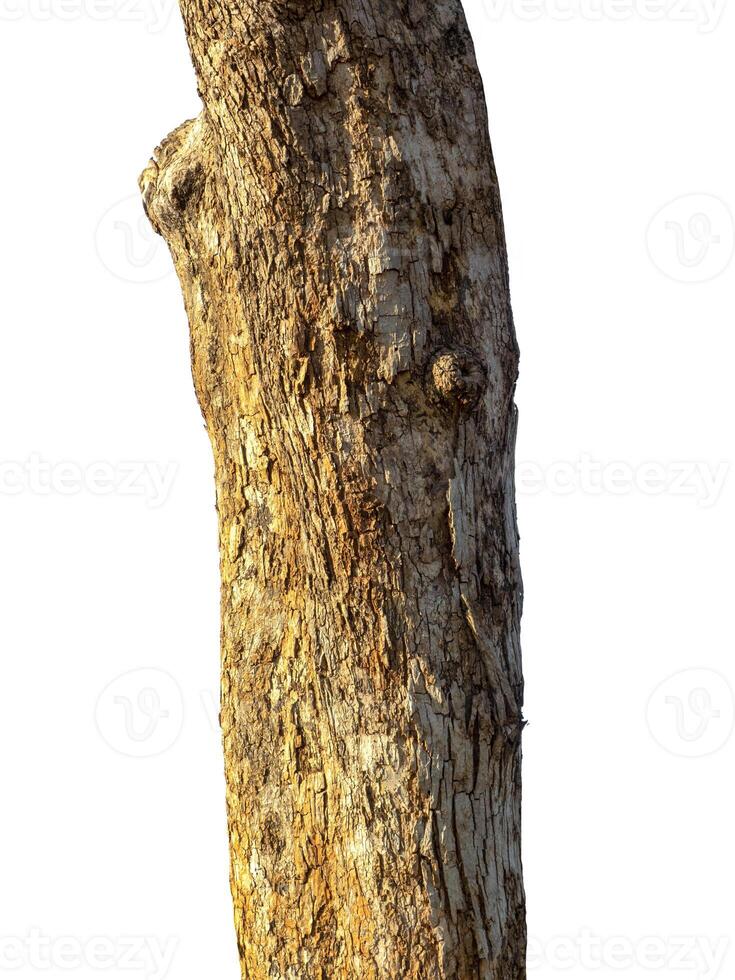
(334, 218)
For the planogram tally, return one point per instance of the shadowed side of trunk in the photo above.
(335, 222)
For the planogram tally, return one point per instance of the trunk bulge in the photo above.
(334, 218)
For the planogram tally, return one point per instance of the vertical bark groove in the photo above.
(334, 218)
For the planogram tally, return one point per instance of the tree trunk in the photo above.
(334, 218)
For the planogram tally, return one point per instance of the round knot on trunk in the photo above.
(173, 182)
(459, 377)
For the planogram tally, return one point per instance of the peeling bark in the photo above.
(335, 222)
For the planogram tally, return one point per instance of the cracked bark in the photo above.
(335, 222)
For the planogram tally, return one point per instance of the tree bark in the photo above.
(335, 222)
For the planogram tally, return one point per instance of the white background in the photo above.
(602, 112)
